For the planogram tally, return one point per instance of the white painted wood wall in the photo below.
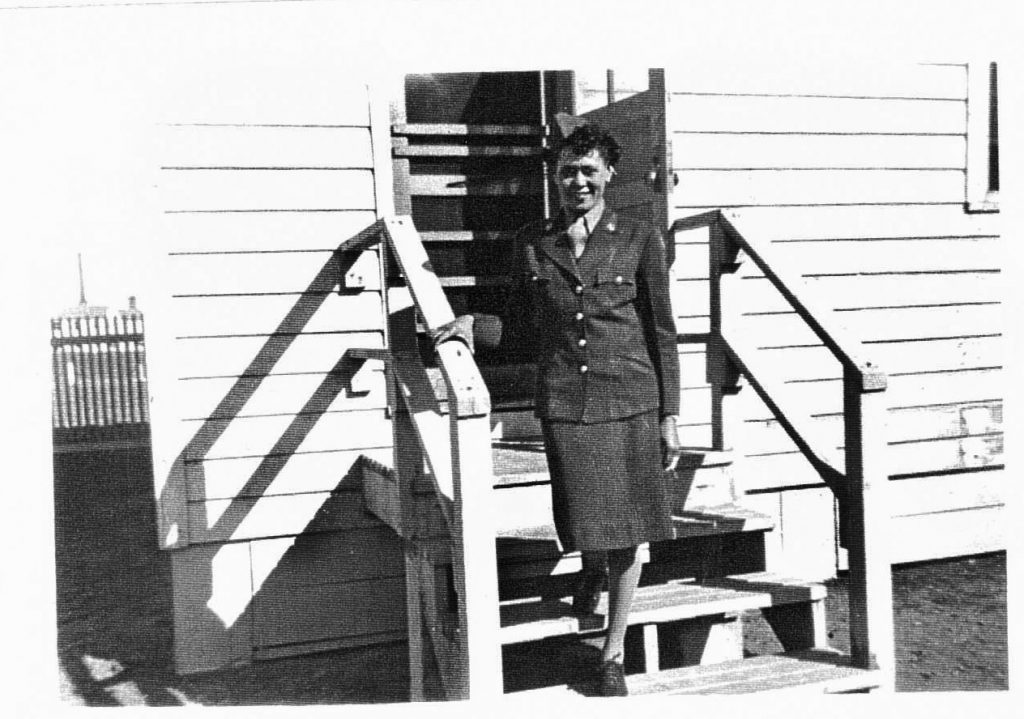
(858, 174)
(256, 421)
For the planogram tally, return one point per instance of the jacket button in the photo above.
(579, 289)
(583, 369)
(579, 315)
(582, 343)
(618, 279)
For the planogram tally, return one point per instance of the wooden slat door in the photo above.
(643, 181)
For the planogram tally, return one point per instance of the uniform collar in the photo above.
(601, 243)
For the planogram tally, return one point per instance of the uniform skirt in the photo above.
(608, 488)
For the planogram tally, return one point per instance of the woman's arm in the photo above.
(660, 329)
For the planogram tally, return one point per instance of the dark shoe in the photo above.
(612, 680)
(588, 593)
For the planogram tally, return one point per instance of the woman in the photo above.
(590, 300)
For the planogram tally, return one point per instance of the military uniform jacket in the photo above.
(599, 326)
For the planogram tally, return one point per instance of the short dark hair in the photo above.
(583, 140)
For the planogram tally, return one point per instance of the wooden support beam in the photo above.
(866, 515)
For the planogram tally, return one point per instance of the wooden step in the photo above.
(530, 620)
(809, 671)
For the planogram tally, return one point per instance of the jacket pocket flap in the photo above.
(613, 276)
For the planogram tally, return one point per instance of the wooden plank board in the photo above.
(266, 190)
(691, 297)
(268, 94)
(817, 362)
(466, 185)
(950, 534)
(733, 188)
(692, 151)
(326, 558)
(825, 396)
(230, 520)
(838, 222)
(249, 146)
(259, 436)
(242, 356)
(286, 474)
(271, 272)
(928, 495)
(280, 394)
(739, 75)
(720, 113)
(265, 315)
(903, 425)
(850, 257)
(261, 231)
(330, 610)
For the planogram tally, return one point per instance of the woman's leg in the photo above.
(623, 577)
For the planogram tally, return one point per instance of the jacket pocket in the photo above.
(614, 288)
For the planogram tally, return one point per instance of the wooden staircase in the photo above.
(483, 570)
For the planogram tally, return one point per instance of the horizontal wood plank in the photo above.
(272, 93)
(467, 151)
(737, 152)
(838, 222)
(877, 325)
(949, 534)
(275, 314)
(261, 232)
(266, 190)
(242, 356)
(905, 425)
(285, 434)
(306, 614)
(281, 394)
(325, 558)
(719, 113)
(469, 129)
(288, 474)
(231, 520)
(470, 185)
(730, 188)
(691, 297)
(272, 272)
(198, 146)
(742, 75)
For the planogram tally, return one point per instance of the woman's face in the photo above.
(581, 180)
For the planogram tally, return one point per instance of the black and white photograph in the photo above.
(510, 356)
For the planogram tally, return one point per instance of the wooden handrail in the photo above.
(459, 458)
(819, 317)
(860, 481)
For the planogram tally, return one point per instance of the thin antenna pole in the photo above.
(81, 281)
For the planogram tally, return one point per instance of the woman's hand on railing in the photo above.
(671, 449)
(461, 328)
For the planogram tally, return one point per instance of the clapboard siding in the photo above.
(262, 421)
(693, 151)
(826, 115)
(742, 188)
(279, 272)
(262, 147)
(856, 177)
(213, 232)
(274, 190)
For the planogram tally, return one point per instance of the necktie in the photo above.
(578, 234)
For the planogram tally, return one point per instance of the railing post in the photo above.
(722, 374)
(866, 518)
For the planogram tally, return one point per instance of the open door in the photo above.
(643, 181)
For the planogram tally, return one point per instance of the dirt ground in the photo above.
(115, 628)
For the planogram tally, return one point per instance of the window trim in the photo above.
(980, 195)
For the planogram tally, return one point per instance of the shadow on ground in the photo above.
(114, 608)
